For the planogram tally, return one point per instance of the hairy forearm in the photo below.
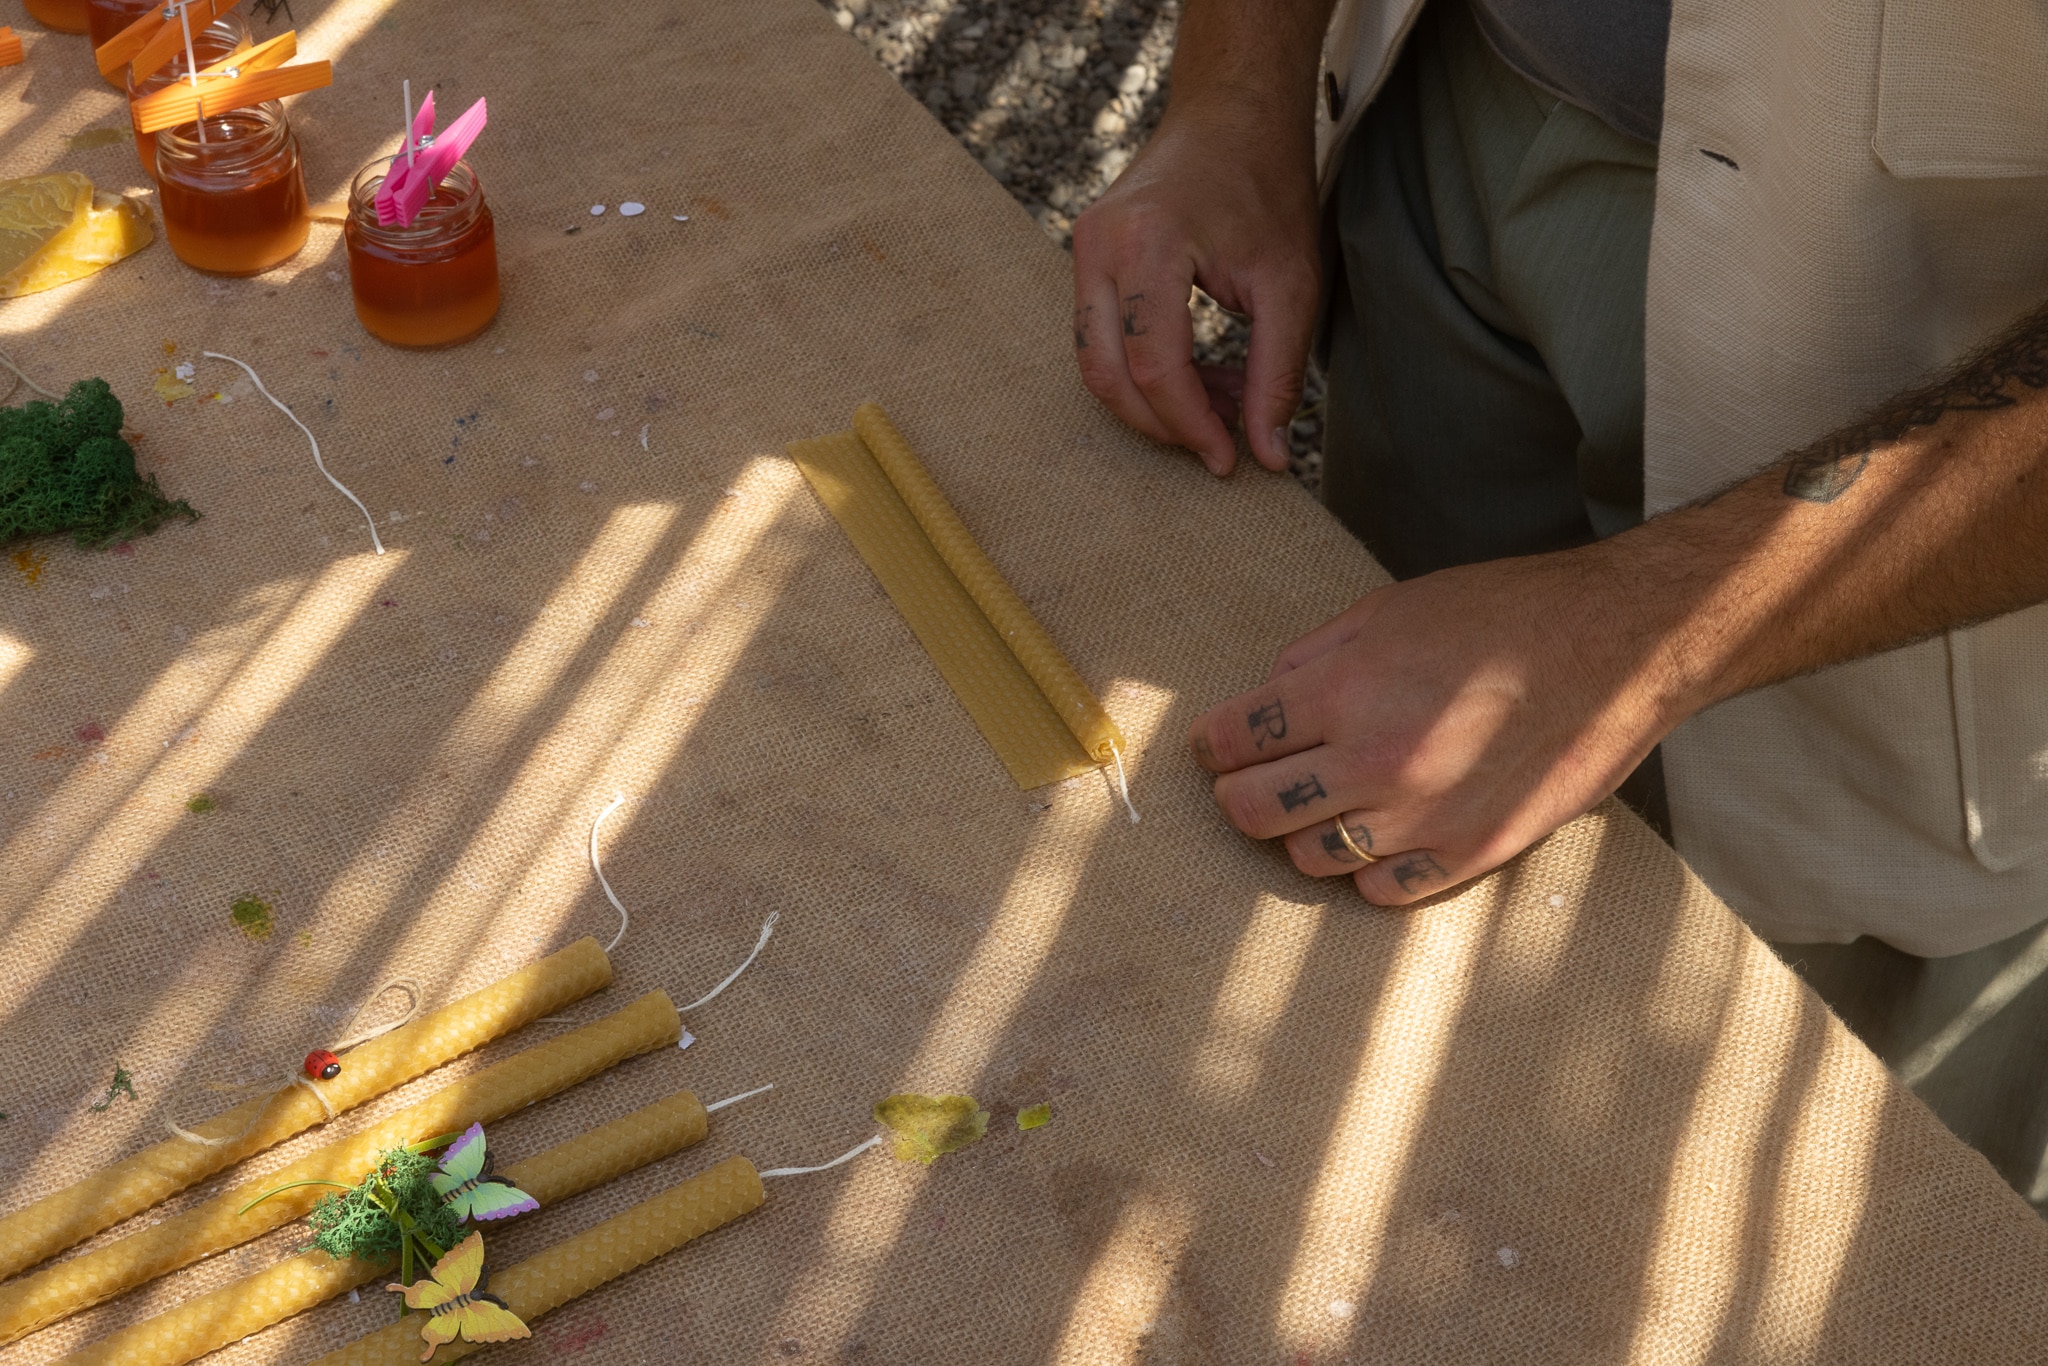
(1930, 514)
(1255, 57)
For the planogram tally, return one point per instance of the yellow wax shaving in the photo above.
(57, 1221)
(170, 388)
(1014, 622)
(214, 1320)
(548, 1280)
(926, 1127)
(54, 229)
(1037, 1117)
(222, 1222)
(1014, 716)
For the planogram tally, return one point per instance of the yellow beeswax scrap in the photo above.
(1037, 1117)
(927, 1126)
(54, 229)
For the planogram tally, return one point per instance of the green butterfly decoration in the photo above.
(468, 1188)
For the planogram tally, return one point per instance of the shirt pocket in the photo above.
(1999, 673)
(1963, 89)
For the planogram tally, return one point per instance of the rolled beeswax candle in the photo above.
(1056, 678)
(215, 1226)
(253, 1303)
(548, 1280)
(133, 1184)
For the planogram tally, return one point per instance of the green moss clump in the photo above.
(353, 1223)
(64, 467)
(252, 914)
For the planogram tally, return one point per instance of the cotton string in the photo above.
(734, 1100)
(767, 928)
(597, 867)
(408, 124)
(1123, 787)
(22, 378)
(826, 1167)
(375, 540)
(298, 1077)
(192, 75)
(618, 800)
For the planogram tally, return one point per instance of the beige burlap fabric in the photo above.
(1573, 1114)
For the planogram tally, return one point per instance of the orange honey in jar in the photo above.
(65, 16)
(433, 282)
(235, 203)
(105, 18)
(224, 37)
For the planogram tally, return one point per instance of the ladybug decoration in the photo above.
(322, 1065)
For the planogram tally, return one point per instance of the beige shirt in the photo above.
(1885, 213)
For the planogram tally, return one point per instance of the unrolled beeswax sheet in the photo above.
(1016, 717)
(1283, 1126)
(926, 557)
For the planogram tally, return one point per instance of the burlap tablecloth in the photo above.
(1576, 1113)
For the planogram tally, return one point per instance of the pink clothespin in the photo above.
(411, 180)
(417, 130)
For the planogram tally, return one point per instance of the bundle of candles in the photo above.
(403, 1211)
(210, 130)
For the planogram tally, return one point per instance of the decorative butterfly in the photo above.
(455, 1307)
(468, 1188)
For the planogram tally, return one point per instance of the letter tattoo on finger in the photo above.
(1418, 870)
(1132, 327)
(1081, 317)
(1269, 722)
(1302, 793)
(1339, 848)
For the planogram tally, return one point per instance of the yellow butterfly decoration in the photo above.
(456, 1308)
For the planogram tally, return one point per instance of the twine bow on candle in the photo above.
(297, 1077)
(419, 166)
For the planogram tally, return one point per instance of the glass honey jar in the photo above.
(235, 203)
(65, 16)
(224, 37)
(433, 282)
(105, 18)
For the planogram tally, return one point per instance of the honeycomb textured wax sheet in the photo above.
(1014, 622)
(535, 1074)
(69, 1216)
(54, 229)
(1013, 713)
(253, 1303)
(547, 1280)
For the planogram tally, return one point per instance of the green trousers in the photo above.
(1484, 358)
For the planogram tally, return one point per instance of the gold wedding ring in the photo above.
(1345, 835)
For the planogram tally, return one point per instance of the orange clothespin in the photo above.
(159, 32)
(10, 47)
(246, 78)
(169, 39)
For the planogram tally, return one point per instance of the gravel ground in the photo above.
(1054, 98)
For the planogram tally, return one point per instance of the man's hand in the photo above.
(1447, 722)
(1222, 196)
(1453, 720)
